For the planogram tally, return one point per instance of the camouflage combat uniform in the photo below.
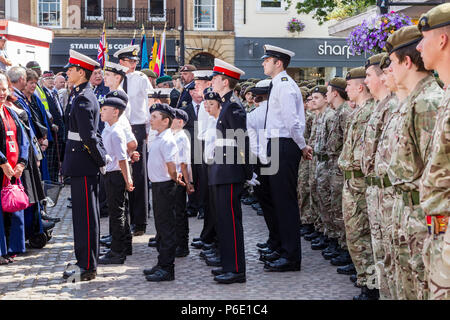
(335, 143)
(322, 171)
(303, 188)
(370, 139)
(435, 201)
(354, 205)
(314, 199)
(418, 118)
(386, 191)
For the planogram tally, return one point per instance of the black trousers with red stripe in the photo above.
(86, 220)
(229, 226)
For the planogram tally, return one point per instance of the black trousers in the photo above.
(138, 199)
(208, 234)
(229, 226)
(86, 220)
(193, 198)
(283, 191)
(182, 222)
(163, 200)
(118, 222)
(262, 193)
(102, 195)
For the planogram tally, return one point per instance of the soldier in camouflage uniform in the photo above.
(336, 97)
(385, 189)
(249, 103)
(435, 181)
(370, 139)
(418, 117)
(354, 193)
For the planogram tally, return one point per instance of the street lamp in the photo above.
(181, 59)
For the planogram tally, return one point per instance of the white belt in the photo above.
(225, 143)
(74, 136)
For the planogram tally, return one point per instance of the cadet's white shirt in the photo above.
(125, 123)
(202, 121)
(210, 139)
(184, 151)
(255, 129)
(162, 149)
(115, 144)
(286, 114)
(137, 86)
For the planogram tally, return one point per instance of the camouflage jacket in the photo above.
(435, 182)
(312, 137)
(387, 138)
(350, 158)
(337, 132)
(372, 134)
(248, 107)
(323, 130)
(309, 119)
(418, 118)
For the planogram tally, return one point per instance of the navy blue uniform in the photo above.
(185, 96)
(84, 155)
(228, 181)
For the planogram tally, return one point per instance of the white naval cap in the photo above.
(116, 68)
(224, 68)
(277, 52)
(77, 59)
(130, 52)
(263, 83)
(262, 87)
(202, 74)
(159, 93)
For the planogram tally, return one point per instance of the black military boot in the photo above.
(368, 294)
(348, 269)
(332, 251)
(321, 239)
(321, 244)
(342, 259)
(306, 229)
(312, 235)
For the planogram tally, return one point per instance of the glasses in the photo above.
(130, 61)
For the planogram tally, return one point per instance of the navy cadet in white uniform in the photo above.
(284, 124)
(136, 85)
(84, 156)
(228, 173)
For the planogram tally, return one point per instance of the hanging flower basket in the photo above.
(295, 25)
(371, 35)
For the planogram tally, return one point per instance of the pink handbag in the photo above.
(14, 197)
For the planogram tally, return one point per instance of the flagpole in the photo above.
(165, 51)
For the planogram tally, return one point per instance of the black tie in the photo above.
(125, 84)
(197, 107)
(267, 109)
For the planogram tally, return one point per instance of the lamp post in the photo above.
(181, 60)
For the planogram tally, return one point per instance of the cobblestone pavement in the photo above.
(37, 274)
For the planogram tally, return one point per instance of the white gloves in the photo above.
(253, 182)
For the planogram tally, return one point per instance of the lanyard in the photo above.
(6, 122)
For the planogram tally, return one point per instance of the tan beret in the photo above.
(403, 37)
(149, 73)
(356, 73)
(188, 68)
(320, 89)
(338, 83)
(436, 17)
(374, 60)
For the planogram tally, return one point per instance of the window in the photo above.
(2, 9)
(156, 9)
(49, 13)
(125, 9)
(271, 5)
(205, 14)
(94, 9)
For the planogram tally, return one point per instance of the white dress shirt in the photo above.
(286, 113)
(137, 88)
(115, 144)
(255, 129)
(162, 149)
(210, 139)
(184, 152)
(202, 121)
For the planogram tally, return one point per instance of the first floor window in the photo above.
(94, 8)
(205, 14)
(156, 7)
(2, 9)
(50, 13)
(125, 9)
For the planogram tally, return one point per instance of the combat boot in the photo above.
(368, 294)
(321, 244)
(342, 259)
(348, 269)
(332, 250)
(312, 235)
(305, 229)
(321, 239)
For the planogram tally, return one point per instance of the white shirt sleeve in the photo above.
(146, 86)
(169, 151)
(293, 115)
(126, 126)
(119, 145)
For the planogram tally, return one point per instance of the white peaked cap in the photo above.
(202, 74)
(159, 92)
(115, 67)
(277, 52)
(77, 59)
(263, 83)
(128, 52)
(222, 67)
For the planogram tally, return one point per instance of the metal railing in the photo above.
(116, 18)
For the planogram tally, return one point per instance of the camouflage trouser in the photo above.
(376, 234)
(314, 197)
(304, 193)
(436, 256)
(337, 183)
(386, 200)
(324, 192)
(410, 231)
(357, 227)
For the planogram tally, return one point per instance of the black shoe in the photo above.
(112, 258)
(84, 275)
(217, 272)
(129, 250)
(47, 225)
(207, 246)
(265, 251)
(206, 253)
(181, 252)
(213, 261)
(282, 265)
(260, 212)
(201, 214)
(197, 244)
(138, 230)
(45, 216)
(69, 206)
(320, 244)
(256, 206)
(262, 245)
(152, 243)
(161, 275)
(332, 247)
(330, 254)
(313, 235)
(342, 259)
(152, 239)
(191, 213)
(353, 278)
(348, 269)
(321, 238)
(196, 239)
(107, 236)
(151, 271)
(105, 240)
(269, 257)
(368, 294)
(138, 233)
(230, 277)
(306, 229)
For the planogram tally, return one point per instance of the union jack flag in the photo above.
(102, 53)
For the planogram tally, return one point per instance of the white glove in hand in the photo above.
(103, 170)
(253, 182)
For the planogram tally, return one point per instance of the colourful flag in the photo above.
(154, 51)
(143, 51)
(102, 53)
(132, 40)
(160, 58)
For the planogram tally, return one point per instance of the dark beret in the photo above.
(118, 94)
(209, 94)
(113, 102)
(163, 108)
(163, 79)
(181, 114)
(188, 68)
